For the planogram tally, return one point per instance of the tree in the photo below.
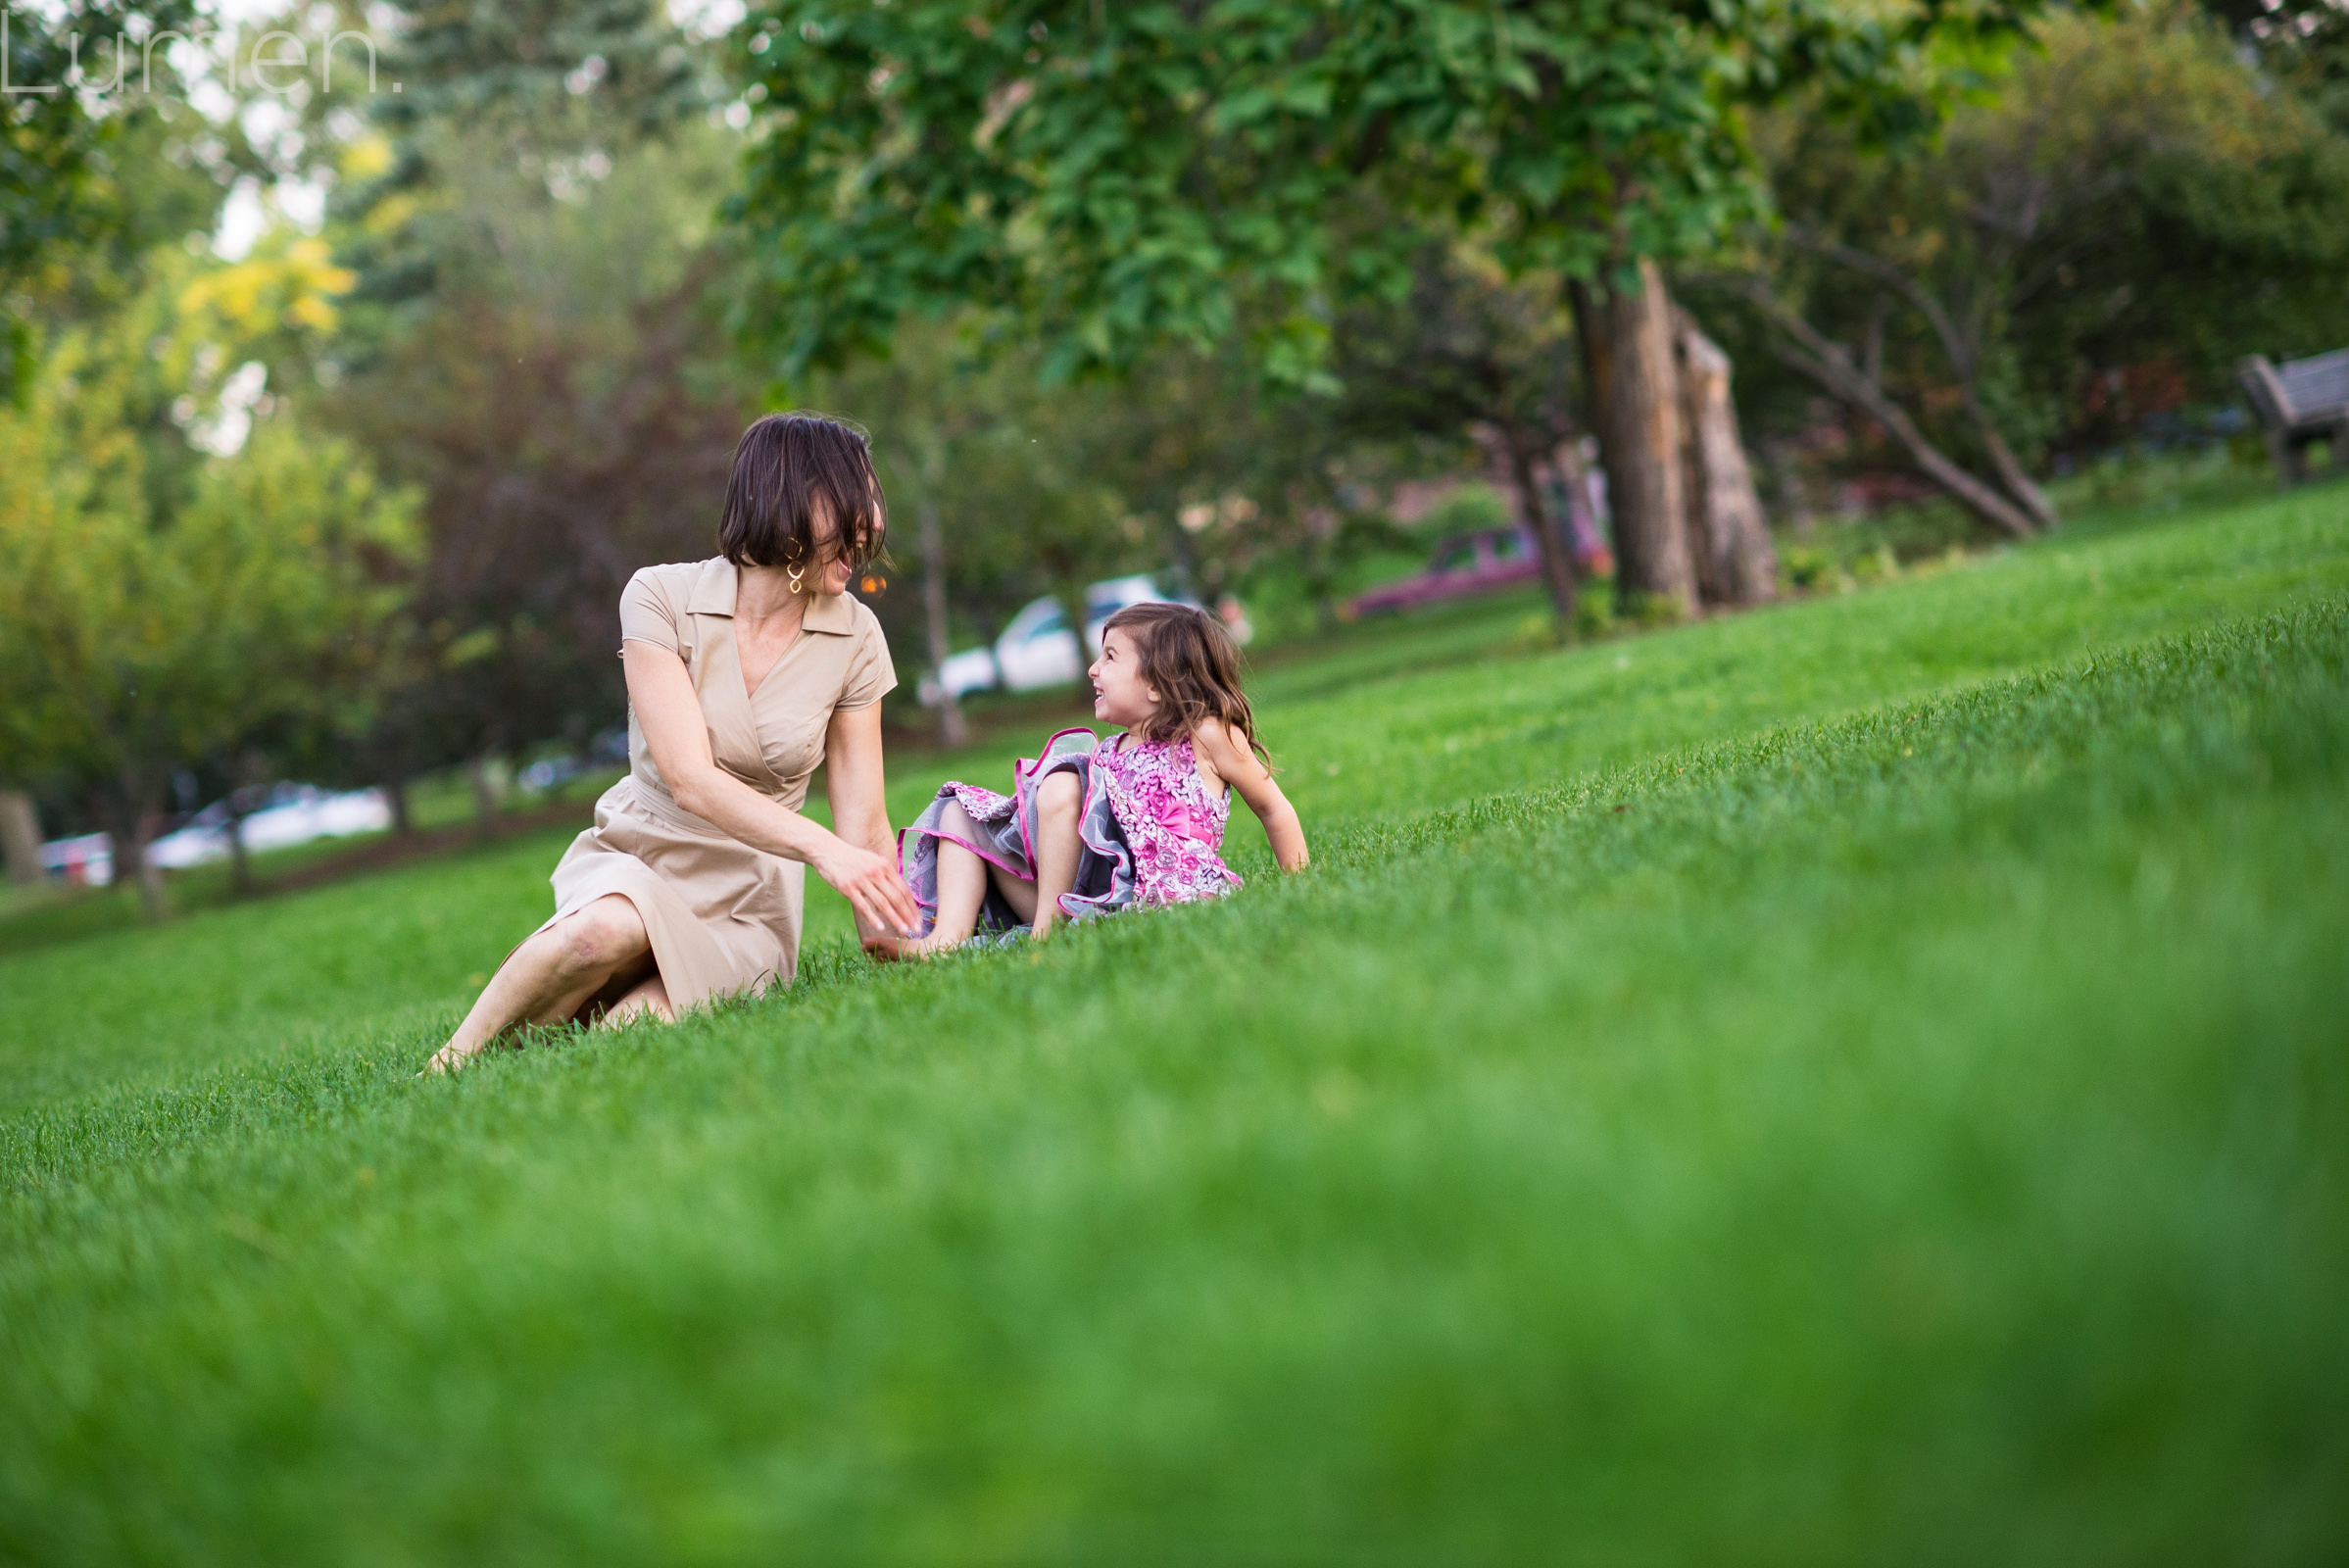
(1119, 178)
(928, 400)
(58, 190)
(538, 348)
(1734, 561)
(148, 620)
(544, 73)
(1625, 329)
(1017, 487)
(2303, 44)
(2135, 194)
(1465, 347)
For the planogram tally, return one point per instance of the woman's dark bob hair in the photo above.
(790, 469)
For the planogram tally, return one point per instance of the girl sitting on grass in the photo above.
(1094, 826)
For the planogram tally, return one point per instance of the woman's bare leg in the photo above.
(1057, 801)
(552, 975)
(647, 997)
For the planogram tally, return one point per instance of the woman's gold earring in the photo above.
(796, 574)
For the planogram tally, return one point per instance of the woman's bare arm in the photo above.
(670, 713)
(1238, 766)
(856, 786)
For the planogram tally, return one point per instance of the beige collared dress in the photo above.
(724, 918)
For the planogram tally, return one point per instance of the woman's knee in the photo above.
(603, 936)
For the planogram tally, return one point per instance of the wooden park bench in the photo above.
(2299, 402)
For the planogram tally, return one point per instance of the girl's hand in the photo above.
(874, 886)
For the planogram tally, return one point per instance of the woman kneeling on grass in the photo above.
(744, 673)
(1097, 826)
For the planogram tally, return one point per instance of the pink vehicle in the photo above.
(1462, 566)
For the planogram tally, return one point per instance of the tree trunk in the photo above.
(240, 860)
(136, 822)
(21, 837)
(1735, 562)
(1550, 533)
(1063, 570)
(1634, 410)
(485, 798)
(151, 897)
(952, 730)
(135, 817)
(395, 795)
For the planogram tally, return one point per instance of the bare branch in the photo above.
(1810, 353)
(1953, 343)
(1960, 345)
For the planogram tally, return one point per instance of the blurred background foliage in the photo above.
(337, 418)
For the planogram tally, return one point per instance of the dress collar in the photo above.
(713, 594)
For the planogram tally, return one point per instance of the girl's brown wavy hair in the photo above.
(1194, 666)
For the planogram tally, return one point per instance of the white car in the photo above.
(294, 813)
(1038, 650)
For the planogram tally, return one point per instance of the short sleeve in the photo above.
(649, 615)
(871, 675)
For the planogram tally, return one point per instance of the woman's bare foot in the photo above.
(452, 1058)
(553, 974)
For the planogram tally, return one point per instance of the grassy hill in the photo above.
(1863, 1080)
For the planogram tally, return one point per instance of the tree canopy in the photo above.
(160, 608)
(59, 151)
(2091, 248)
(1123, 176)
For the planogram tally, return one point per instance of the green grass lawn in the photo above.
(1862, 1081)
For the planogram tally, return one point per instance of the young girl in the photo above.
(1094, 826)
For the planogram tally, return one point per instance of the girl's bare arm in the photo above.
(669, 713)
(1237, 766)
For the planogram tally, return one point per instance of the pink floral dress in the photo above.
(1150, 832)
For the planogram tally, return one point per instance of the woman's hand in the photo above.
(872, 885)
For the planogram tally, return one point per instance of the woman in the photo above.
(744, 673)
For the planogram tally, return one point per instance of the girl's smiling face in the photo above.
(1120, 695)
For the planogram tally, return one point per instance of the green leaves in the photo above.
(151, 617)
(1118, 178)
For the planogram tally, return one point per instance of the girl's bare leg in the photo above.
(962, 894)
(1059, 801)
(1021, 896)
(551, 976)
